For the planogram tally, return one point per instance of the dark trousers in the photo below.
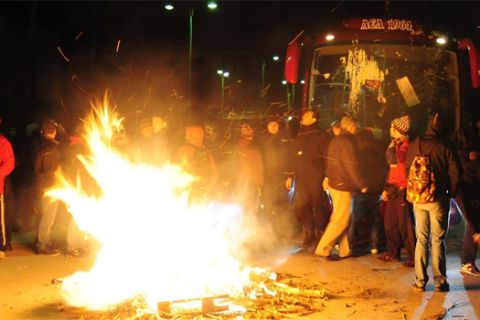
(311, 207)
(469, 203)
(365, 205)
(398, 224)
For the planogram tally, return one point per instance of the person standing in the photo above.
(398, 220)
(47, 156)
(344, 180)
(7, 164)
(195, 159)
(467, 146)
(275, 143)
(431, 218)
(308, 164)
(368, 205)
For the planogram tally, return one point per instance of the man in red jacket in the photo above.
(7, 164)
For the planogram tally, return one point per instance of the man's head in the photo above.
(146, 128)
(335, 127)
(399, 128)
(49, 128)
(348, 124)
(159, 122)
(273, 127)
(246, 132)
(308, 118)
(194, 135)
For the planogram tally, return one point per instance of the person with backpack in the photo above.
(433, 178)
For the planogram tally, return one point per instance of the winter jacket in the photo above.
(396, 156)
(445, 166)
(7, 160)
(465, 141)
(47, 157)
(343, 168)
(308, 155)
(372, 161)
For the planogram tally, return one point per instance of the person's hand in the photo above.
(364, 190)
(384, 195)
(288, 183)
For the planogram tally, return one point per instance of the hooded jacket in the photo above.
(445, 165)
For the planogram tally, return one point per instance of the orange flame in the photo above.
(154, 243)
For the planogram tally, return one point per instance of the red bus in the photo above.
(376, 69)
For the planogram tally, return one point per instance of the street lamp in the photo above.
(223, 74)
(275, 58)
(212, 5)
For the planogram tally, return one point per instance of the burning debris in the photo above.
(266, 297)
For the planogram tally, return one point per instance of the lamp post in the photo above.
(211, 5)
(223, 74)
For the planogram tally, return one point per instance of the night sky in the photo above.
(130, 48)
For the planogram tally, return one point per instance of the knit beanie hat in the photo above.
(246, 132)
(402, 124)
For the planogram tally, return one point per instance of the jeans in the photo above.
(431, 218)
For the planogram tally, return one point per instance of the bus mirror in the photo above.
(474, 59)
(292, 59)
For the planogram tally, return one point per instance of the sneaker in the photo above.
(2, 255)
(444, 287)
(470, 269)
(418, 287)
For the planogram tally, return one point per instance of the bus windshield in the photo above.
(376, 82)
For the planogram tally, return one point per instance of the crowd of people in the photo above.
(344, 190)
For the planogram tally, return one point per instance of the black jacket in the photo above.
(343, 166)
(308, 155)
(47, 157)
(445, 165)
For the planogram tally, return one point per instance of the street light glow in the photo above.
(220, 71)
(284, 82)
(212, 5)
(226, 74)
(302, 81)
(330, 37)
(441, 40)
(169, 7)
(276, 58)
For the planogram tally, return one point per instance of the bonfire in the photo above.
(160, 255)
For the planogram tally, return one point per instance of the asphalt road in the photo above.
(362, 288)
